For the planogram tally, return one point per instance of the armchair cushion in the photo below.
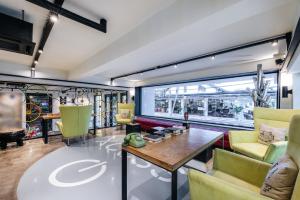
(233, 177)
(234, 180)
(280, 181)
(242, 137)
(244, 168)
(253, 150)
(203, 186)
(124, 113)
(269, 134)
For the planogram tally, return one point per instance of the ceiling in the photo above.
(143, 34)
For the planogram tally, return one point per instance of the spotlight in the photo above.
(40, 51)
(35, 62)
(213, 57)
(274, 43)
(53, 17)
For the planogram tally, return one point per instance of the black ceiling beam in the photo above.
(294, 43)
(46, 32)
(66, 13)
(206, 55)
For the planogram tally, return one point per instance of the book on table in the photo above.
(152, 138)
(164, 134)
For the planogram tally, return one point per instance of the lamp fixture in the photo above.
(213, 57)
(53, 17)
(286, 92)
(275, 43)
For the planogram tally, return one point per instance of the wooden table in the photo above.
(171, 154)
(45, 119)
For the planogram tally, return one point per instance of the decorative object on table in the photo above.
(125, 113)
(158, 128)
(133, 128)
(260, 95)
(174, 130)
(247, 143)
(164, 134)
(11, 135)
(135, 140)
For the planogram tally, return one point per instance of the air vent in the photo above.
(16, 35)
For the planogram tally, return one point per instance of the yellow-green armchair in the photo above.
(246, 142)
(239, 177)
(128, 110)
(74, 121)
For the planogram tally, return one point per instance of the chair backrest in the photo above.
(75, 120)
(293, 150)
(279, 118)
(129, 106)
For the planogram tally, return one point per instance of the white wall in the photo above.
(296, 91)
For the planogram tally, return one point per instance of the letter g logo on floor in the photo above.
(96, 163)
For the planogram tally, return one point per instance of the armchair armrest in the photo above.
(242, 167)
(203, 186)
(59, 125)
(242, 137)
(275, 151)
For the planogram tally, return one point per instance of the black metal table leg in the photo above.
(124, 175)
(174, 185)
(45, 130)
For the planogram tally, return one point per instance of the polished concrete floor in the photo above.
(92, 170)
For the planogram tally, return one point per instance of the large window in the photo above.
(222, 101)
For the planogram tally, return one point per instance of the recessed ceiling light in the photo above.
(274, 43)
(40, 51)
(53, 18)
(213, 57)
(175, 66)
(35, 62)
(141, 74)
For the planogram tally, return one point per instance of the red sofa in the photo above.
(148, 123)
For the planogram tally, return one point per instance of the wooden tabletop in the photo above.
(174, 152)
(51, 116)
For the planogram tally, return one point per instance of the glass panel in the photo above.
(222, 101)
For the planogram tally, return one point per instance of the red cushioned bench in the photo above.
(148, 123)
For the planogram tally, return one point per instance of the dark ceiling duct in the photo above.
(16, 35)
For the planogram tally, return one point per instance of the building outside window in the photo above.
(222, 101)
